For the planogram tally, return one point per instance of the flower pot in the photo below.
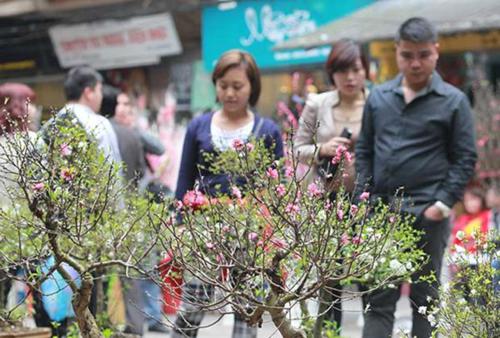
(27, 333)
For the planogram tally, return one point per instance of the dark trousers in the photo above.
(379, 319)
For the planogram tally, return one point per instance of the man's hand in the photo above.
(329, 148)
(433, 213)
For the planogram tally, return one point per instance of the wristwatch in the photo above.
(445, 210)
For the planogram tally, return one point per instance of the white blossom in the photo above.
(397, 267)
(431, 320)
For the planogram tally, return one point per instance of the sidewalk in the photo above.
(351, 323)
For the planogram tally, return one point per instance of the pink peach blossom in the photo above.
(280, 190)
(357, 240)
(292, 208)
(289, 172)
(344, 239)
(65, 150)
(253, 236)
(364, 196)
(272, 173)
(314, 190)
(238, 144)
(194, 199)
(482, 141)
(67, 175)
(236, 192)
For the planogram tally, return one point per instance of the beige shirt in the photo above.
(321, 120)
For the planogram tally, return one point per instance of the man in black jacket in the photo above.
(417, 134)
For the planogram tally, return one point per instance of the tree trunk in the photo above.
(284, 325)
(86, 321)
(87, 324)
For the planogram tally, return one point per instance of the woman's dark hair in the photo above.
(79, 78)
(109, 100)
(417, 30)
(343, 56)
(14, 99)
(237, 58)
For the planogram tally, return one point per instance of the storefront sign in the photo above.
(116, 44)
(256, 26)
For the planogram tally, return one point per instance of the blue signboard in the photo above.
(257, 26)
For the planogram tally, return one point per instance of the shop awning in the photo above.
(381, 20)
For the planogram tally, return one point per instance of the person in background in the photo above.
(15, 102)
(83, 89)
(417, 134)
(129, 142)
(322, 122)
(126, 116)
(142, 296)
(469, 229)
(237, 82)
(475, 221)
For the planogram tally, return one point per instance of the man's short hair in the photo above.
(417, 30)
(77, 79)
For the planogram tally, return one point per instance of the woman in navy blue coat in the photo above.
(237, 82)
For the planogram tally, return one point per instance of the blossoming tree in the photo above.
(67, 201)
(275, 242)
(469, 304)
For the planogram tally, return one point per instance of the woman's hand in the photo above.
(329, 148)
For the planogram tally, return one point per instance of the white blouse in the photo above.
(223, 139)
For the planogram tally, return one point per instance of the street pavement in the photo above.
(351, 323)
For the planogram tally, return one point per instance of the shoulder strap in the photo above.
(258, 127)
